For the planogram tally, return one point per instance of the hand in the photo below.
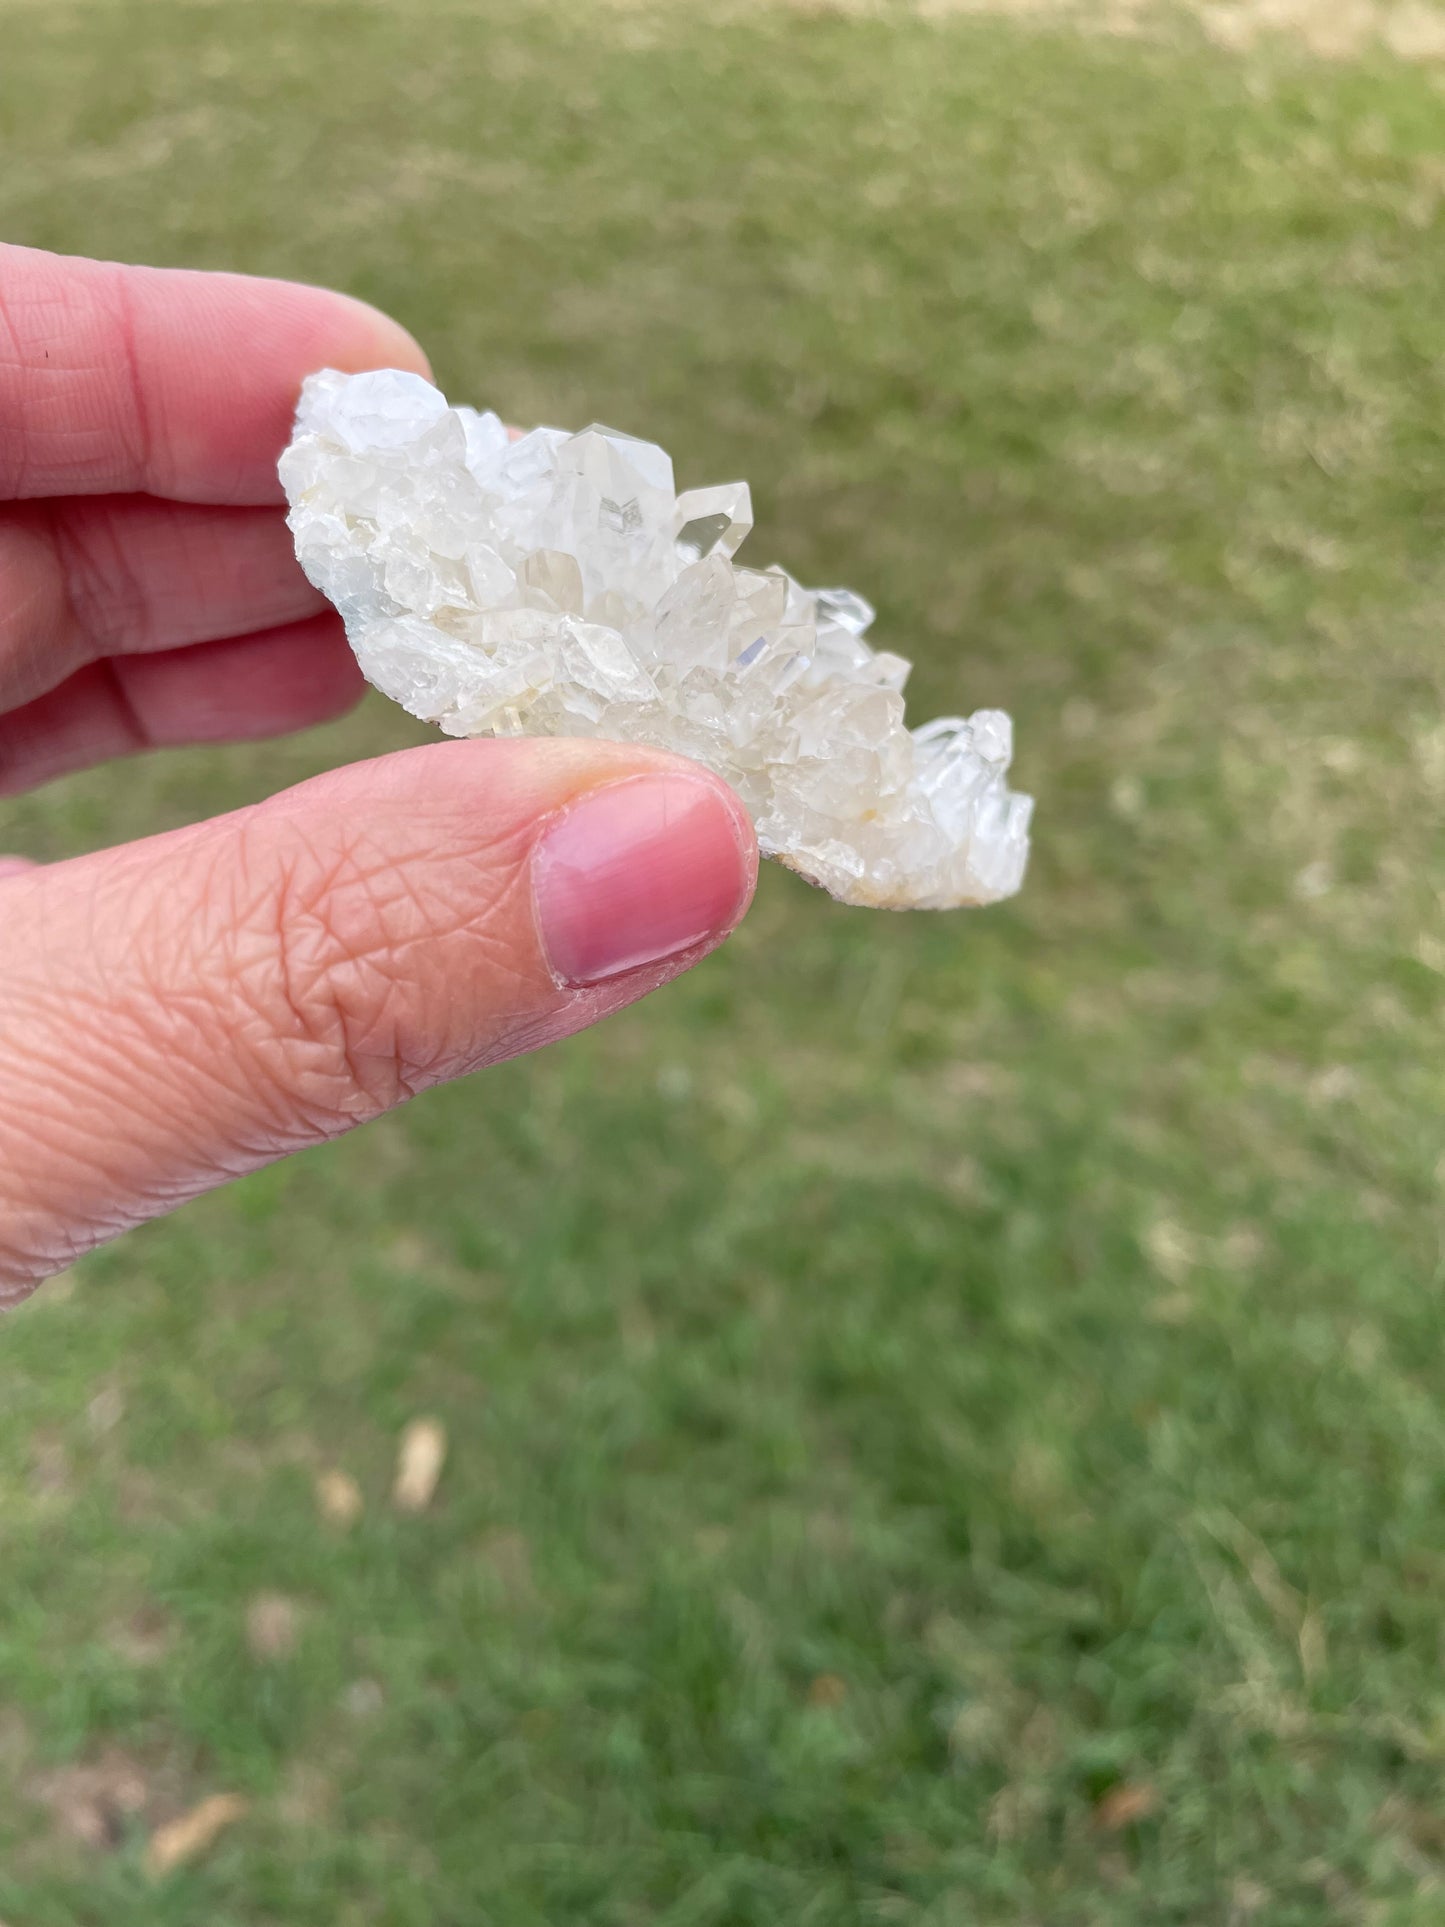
(187, 1008)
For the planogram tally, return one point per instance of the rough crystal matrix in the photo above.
(559, 586)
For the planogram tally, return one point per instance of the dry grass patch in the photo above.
(1331, 29)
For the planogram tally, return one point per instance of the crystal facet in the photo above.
(557, 585)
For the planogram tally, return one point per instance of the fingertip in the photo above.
(659, 865)
(368, 337)
(746, 832)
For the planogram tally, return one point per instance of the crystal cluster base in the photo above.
(557, 585)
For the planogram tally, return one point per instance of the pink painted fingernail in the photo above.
(14, 866)
(638, 871)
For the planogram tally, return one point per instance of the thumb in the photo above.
(185, 1009)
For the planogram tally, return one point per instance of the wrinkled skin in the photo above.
(187, 1008)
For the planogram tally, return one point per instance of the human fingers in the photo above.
(187, 1008)
(92, 577)
(164, 381)
(217, 692)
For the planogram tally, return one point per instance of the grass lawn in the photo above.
(947, 1414)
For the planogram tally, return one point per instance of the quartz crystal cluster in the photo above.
(558, 585)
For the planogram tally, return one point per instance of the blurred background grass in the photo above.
(947, 1414)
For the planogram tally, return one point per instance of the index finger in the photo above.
(164, 381)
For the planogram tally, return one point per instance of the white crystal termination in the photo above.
(559, 586)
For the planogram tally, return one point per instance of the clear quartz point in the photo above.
(713, 518)
(847, 610)
(558, 585)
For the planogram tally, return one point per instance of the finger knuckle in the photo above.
(103, 592)
(317, 960)
(65, 329)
